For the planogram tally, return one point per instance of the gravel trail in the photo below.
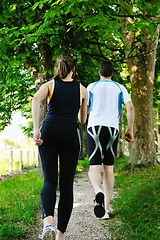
(83, 225)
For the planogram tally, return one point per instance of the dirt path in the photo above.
(83, 224)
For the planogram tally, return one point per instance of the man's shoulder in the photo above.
(90, 85)
(121, 86)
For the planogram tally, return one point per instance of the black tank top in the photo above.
(65, 102)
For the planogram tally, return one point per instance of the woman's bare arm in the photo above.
(82, 116)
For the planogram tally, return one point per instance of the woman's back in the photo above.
(65, 101)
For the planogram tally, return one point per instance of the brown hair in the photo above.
(106, 68)
(64, 64)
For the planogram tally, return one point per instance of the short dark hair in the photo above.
(106, 68)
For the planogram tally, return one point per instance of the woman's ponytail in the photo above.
(62, 71)
(64, 64)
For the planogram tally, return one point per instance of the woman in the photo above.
(58, 141)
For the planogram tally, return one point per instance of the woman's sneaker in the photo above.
(48, 233)
(99, 209)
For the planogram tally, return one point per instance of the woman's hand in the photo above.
(37, 137)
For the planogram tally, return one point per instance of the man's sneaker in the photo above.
(106, 215)
(48, 233)
(99, 209)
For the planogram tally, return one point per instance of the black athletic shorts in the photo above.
(102, 145)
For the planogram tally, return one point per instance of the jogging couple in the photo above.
(58, 139)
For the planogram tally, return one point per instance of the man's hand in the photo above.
(129, 136)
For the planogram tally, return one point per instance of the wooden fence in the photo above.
(14, 160)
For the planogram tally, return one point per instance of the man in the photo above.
(105, 102)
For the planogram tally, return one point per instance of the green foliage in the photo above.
(90, 30)
(4, 165)
(137, 205)
(11, 143)
(28, 129)
(82, 164)
(16, 89)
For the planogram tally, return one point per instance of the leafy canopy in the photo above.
(90, 30)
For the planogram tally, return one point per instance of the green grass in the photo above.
(137, 209)
(19, 202)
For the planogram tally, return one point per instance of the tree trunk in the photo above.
(120, 148)
(45, 53)
(83, 132)
(141, 68)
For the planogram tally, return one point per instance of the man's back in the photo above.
(106, 97)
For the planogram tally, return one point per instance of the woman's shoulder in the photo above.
(83, 90)
(50, 82)
(83, 87)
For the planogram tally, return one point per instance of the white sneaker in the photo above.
(48, 233)
(106, 215)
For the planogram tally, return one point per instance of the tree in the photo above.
(140, 52)
(91, 31)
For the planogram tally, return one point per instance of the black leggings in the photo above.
(61, 141)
